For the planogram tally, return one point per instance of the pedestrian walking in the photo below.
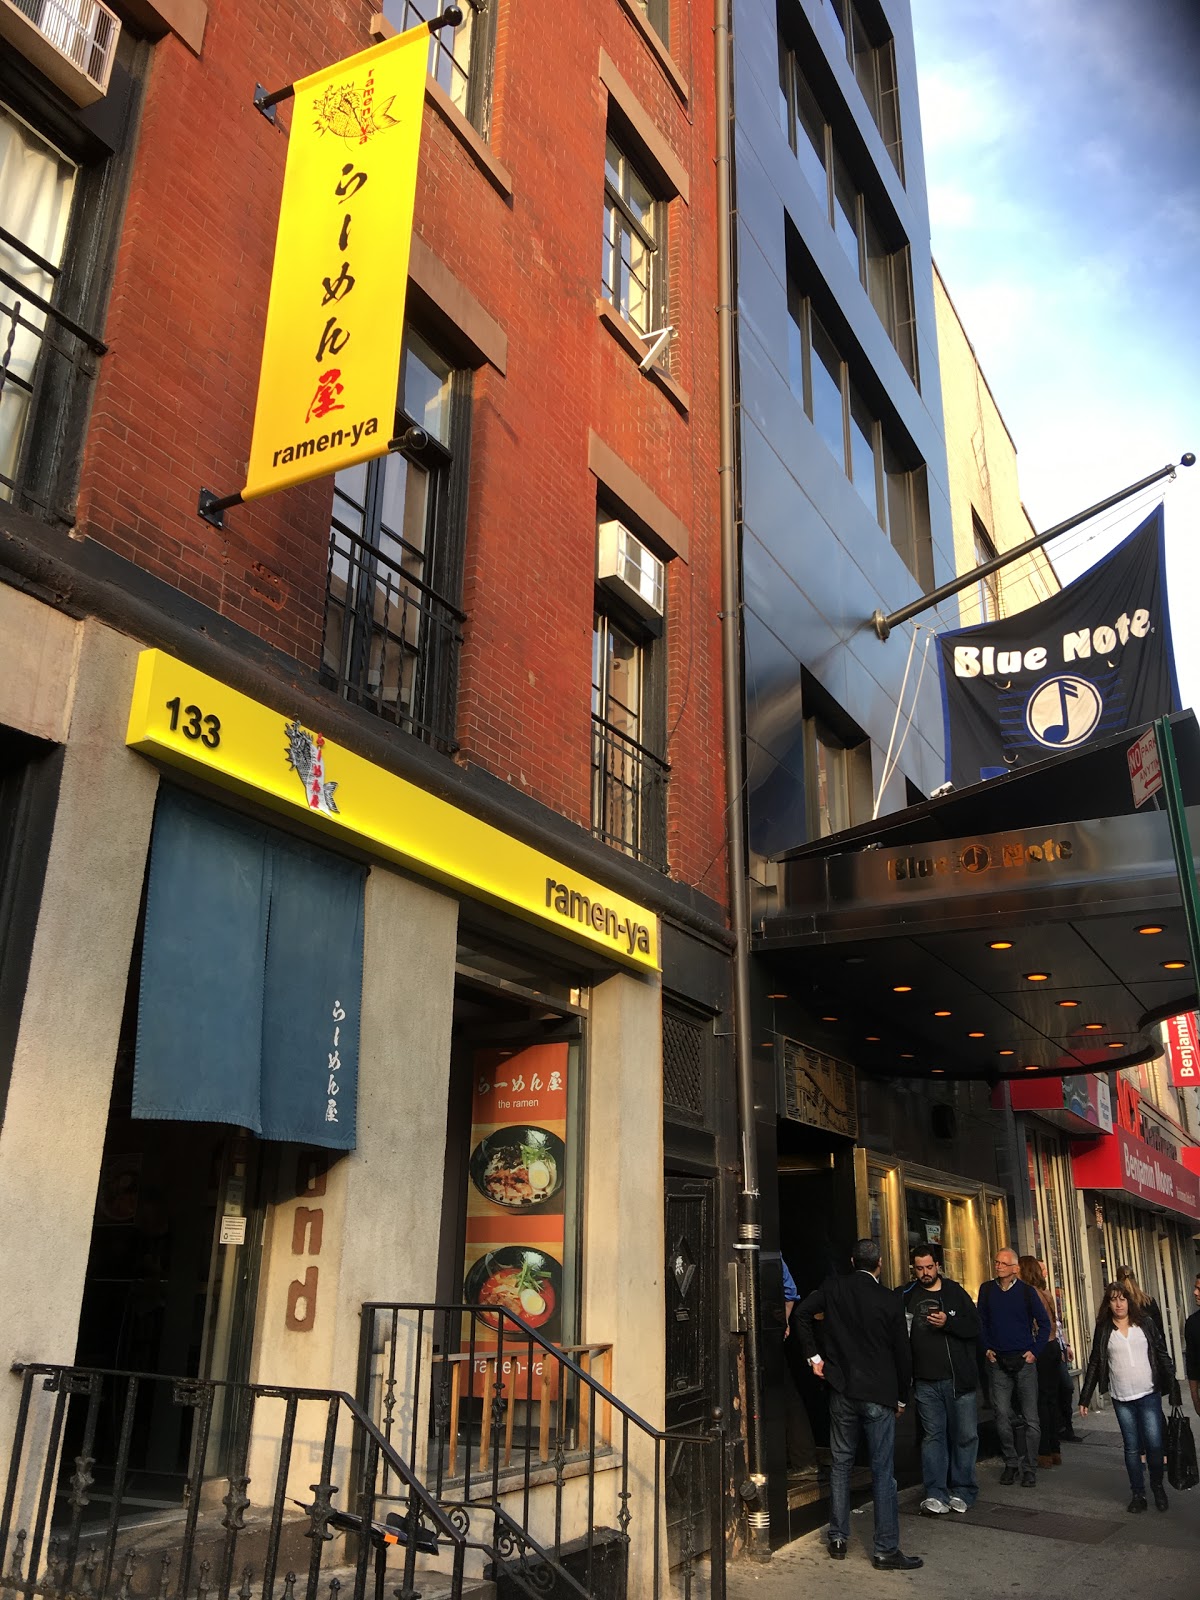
(868, 1368)
(943, 1330)
(1049, 1366)
(1129, 1362)
(1191, 1348)
(1014, 1329)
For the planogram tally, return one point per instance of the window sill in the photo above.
(631, 341)
(658, 49)
(496, 173)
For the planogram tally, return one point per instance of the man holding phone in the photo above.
(943, 1329)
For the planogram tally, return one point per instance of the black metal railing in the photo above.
(523, 1443)
(629, 795)
(47, 363)
(113, 1493)
(391, 642)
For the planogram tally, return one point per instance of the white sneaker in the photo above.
(935, 1508)
(957, 1503)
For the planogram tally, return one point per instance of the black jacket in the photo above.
(1096, 1376)
(948, 1352)
(866, 1341)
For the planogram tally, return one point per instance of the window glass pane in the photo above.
(832, 790)
(879, 274)
(825, 371)
(612, 165)
(899, 505)
(809, 141)
(623, 698)
(795, 330)
(404, 513)
(845, 210)
(639, 199)
(862, 453)
(425, 385)
(889, 105)
(864, 65)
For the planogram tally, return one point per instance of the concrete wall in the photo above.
(53, 1132)
(817, 563)
(982, 460)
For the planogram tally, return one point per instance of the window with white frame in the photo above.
(633, 258)
(878, 253)
(890, 479)
(460, 58)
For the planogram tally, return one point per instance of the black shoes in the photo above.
(1138, 1503)
(896, 1561)
(837, 1549)
(1028, 1480)
(1009, 1475)
(1160, 1496)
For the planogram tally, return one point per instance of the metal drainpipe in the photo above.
(758, 1522)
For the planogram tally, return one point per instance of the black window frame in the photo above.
(355, 657)
(100, 140)
(885, 273)
(645, 835)
(478, 75)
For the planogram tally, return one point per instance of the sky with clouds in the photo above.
(1062, 154)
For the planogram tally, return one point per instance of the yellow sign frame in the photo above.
(189, 720)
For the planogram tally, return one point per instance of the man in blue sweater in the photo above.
(1011, 1326)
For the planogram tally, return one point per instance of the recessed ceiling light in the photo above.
(767, 1044)
(1036, 977)
(1031, 1067)
(828, 1019)
(1117, 1044)
(902, 988)
(1007, 1052)
(1093, 1027)
(974, 1036)
(937, 1069)
(1000, 944)
(1068, 1004)
(1151, 927)
(1172, 966)
(777, 997)
(855, 961)
(872, 1038)
(906, 1055)
(943, 1013)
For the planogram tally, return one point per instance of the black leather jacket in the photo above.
(1096, 1376)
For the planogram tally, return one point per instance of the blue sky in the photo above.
(1062, 153)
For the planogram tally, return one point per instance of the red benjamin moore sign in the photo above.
(1122, 1162)
(1183, 1050)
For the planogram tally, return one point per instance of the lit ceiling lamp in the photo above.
(1000, 944)
(1035, 977)
(1068, 1004)
(1151, 927)
(1172, 966)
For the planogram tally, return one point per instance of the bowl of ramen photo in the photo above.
(526, 1282)
(518, 1168)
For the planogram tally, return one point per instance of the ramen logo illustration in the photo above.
(1063, 711)
(306, 757)
(350, 113)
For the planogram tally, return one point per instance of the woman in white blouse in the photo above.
(1130, 1363)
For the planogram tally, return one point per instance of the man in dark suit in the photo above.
(868, 1368)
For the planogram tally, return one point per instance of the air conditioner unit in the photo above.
(73, 42)
(626, 568)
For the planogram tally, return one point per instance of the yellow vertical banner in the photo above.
(331, 351)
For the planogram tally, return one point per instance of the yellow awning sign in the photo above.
(189, 720)
(335, 317)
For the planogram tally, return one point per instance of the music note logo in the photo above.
(1063, 711)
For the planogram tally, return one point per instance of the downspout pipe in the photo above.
(749, 1229)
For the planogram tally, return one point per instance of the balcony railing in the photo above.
(47, 363)
(629, 795)
(391, 642)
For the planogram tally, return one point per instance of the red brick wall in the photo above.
(175, 399)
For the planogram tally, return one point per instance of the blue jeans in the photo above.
(1015, 1402)
(949, 1442)
(1142, 1430)
(847, 1418)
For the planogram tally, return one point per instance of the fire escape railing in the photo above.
(629, 795)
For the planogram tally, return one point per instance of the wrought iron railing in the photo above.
(47, 363)
(391, 642)
(534, 1456)
(112, 1493)
(629, 795)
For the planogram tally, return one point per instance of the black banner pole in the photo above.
(884, 625)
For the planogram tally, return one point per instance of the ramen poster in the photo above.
(515, 1200)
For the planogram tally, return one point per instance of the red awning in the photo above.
(1133, 1170)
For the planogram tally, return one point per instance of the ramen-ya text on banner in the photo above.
(335, 317)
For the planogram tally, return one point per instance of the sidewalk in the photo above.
(1069, 1538)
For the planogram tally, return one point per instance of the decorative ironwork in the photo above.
(81, 1481)
(629, 795)
(164, 1576)
(683, 1063)
(320, 1511)
(236, 1503)
(128, 1567)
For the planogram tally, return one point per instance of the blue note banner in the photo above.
(1093, 660)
